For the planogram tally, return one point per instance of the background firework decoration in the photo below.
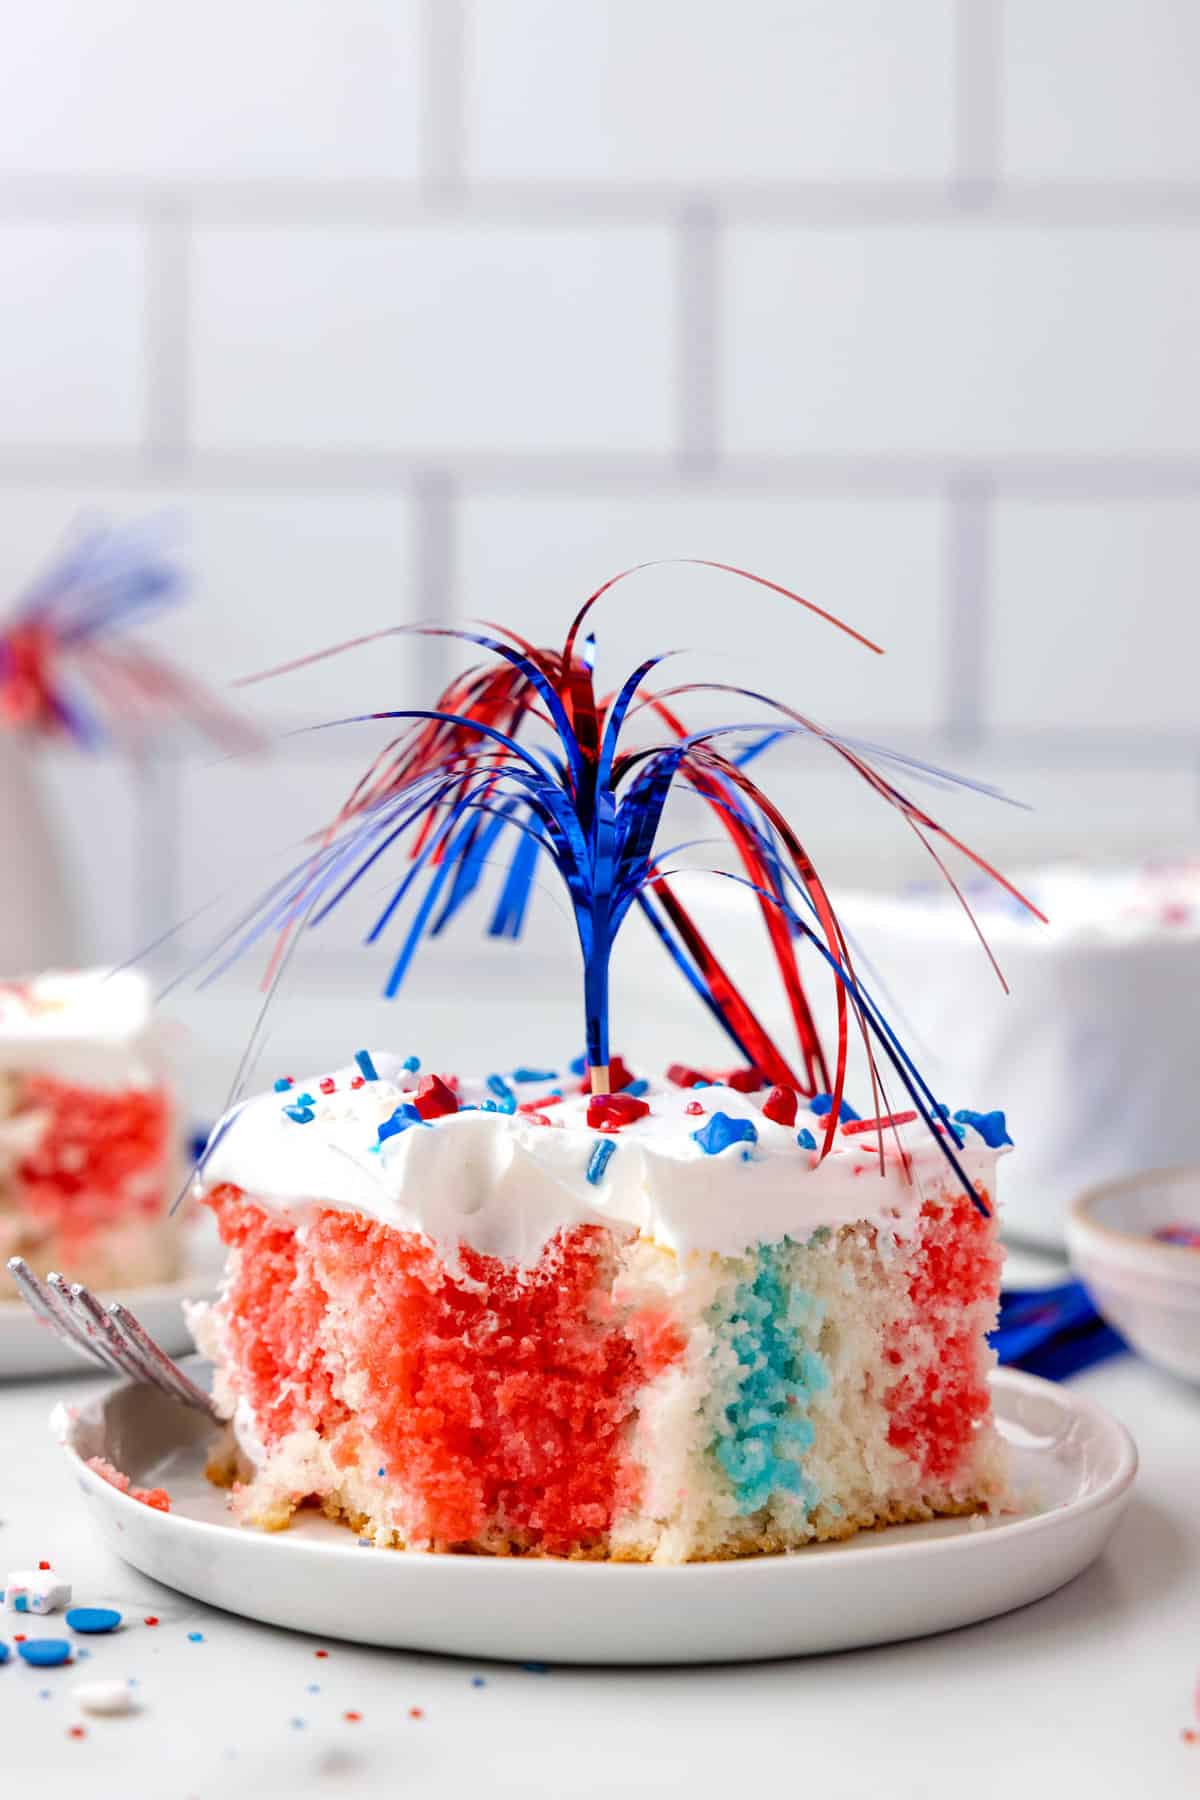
(71, 671)
(521, 762)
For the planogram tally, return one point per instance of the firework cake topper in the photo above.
(68, 669)
(520, 759)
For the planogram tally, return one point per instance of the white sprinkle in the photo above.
(107, 1698)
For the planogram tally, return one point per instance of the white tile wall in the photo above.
(72, 331)
(640, 91)
(419, 307)
(962, 340)
(434, 339)
(1093, 624)
(163, 88)
(274, 576)
(1097, 90)
(878, 563)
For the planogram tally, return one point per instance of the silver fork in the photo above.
(110, 1336)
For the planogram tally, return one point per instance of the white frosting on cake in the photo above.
(504, 1183)
(89, 1027)
(1092, 1054)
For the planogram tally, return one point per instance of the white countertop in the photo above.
(1087, 1692)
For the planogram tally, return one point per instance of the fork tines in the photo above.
(110, 1336)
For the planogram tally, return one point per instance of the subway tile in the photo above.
(293, 89)
(1092, 623)
(876, 563)
(243, 823)
(697, 91)
(1073, 804)
(72, 322)
(272, 576)
(1099, 90)
(966, 340)
(93, 807)
(434, 338)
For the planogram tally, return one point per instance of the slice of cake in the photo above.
(88, 1171)
(509, 1317)
(1118, 965)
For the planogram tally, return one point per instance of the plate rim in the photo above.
(187, 1287)
(1112, 1491)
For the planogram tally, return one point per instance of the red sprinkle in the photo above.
(327, 1084)
(693, 1106)
(537, 1118)
(434, 1099)
(356, 1081)
(352, 1718)
(531, 1106)
(854, 1127)
(682, 1076)
(43, 1565)
(320, 1653)
(611, 1111)
(19, 1637)
(780, 1105)
(416, 1712)
(744, 1081)
(150, 1620)
(76, 1731)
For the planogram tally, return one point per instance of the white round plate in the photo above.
(28, 1346)
(1074, 1467)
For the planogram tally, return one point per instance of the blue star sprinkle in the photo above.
(721, 1131)
(991, 1126)
(822, 1104)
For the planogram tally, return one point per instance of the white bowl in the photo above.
(1148, 1290)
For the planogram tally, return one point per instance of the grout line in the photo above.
(976, 104)
(168, 277)
(443, 145)
(697, 332)
(388, 203)
(156, 785)
(434, 575)
(967, 600)
(904, 475)
(1073, 747)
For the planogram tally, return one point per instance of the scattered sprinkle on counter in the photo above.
(106, 1699)
(195, 1637)
(35, 1591)
(93, 1619)
(44, 1653)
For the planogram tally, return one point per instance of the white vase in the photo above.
(37, 929)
